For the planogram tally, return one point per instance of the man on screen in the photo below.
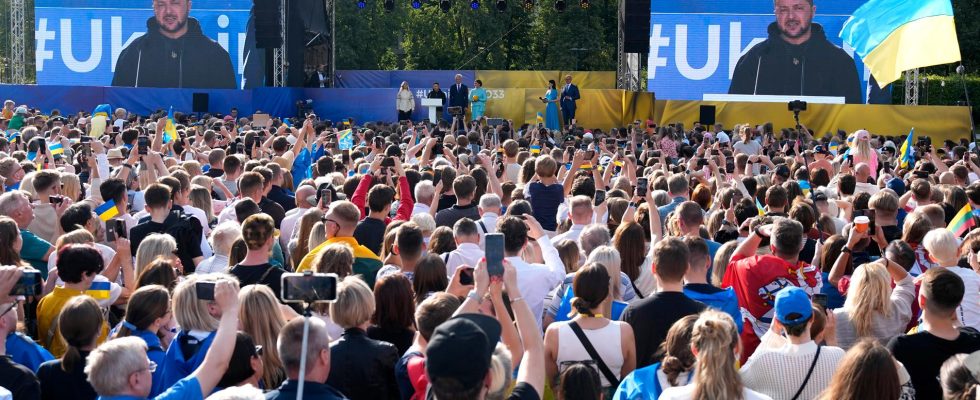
(796, 59)
(174, 53)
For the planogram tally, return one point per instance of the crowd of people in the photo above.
(641, 262)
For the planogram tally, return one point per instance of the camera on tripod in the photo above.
(308, 287)
(796, 106)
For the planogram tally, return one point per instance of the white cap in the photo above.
(723, 137)
(588, 135)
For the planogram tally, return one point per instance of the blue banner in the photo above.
(78, 42)
(696, 45)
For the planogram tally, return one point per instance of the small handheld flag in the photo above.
(906, 159)
(345, 139)
(758, 205)
(107, 210)
(540, 117)
(102, 110)
(99, 290)
(805, 186)
(56, 149)
(962, 222)
(535, 149)
(170, 130)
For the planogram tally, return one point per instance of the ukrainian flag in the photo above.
(345, 139)
(535, 149)
(107, 210)
(99, 290)
(170, 130)
(805, 187)
(102, 110)
(56, 149)
(758, 205)
(893, 36)
(905, 157)
(540, 117)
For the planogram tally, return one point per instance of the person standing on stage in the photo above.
(551, 108)
(405, 101)
(437, 93)
(459, 94)
(479, 98)
(569, 94)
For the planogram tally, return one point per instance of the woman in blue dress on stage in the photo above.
(551, 110)
(478, 100)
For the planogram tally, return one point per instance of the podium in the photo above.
(433, 105)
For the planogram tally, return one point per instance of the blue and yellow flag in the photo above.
(170, 130)
(102, 110)
(893, 36)
(535, 149)
(99, 290)
(805, 186)
(906, 155)
(758, 205)
(107, 210)
(540, 117)
(56, 149)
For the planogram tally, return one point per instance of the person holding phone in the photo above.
(535, 280)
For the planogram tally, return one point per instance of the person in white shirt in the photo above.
(305, 200)
(222, 238)
(489, 209)
(423, 197)
(943, 249)
(581, 216)
(535, 280)
(800, 368)
(861, 174)
(512, 170)
(714, 342)
(468, 251)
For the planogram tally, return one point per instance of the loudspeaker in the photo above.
(268, 29)
(637, 27)
(707, 117)
(201, 102)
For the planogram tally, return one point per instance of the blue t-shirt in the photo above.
(545, 200)
(24, 351)
(188, 388)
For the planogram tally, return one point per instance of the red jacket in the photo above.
(405, 207)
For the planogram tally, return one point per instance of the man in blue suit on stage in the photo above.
(459, 94)
(569, 93)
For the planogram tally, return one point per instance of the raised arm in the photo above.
(216, 361)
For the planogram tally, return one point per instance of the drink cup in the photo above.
(861, 223)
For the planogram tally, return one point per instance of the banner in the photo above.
(755, 47)
(179, 44)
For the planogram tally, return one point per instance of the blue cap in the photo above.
(793, 300)
(897, 185)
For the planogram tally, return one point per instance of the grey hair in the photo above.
(11, 200)
(223, 237)
(109, 366)
(592, 237)
(424, 191)
(290, 343)
(489, 200)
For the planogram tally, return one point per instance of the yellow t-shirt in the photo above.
(48, 310)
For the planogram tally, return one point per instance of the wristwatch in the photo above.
(759, 233)
(845, 250)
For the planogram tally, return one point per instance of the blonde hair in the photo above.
(261, 319)
(501, 367)
(155, 245)
(609, 257)
(200, 197)
(27, 185)
(77, 236)
(354, 305)
(318, 235)
(941, 245)
(868, 295)
(716, 339)
(192, 313)
(193, 168)
(224, 236)
(109, 366)
(306, 224)
(720, 264)
(545, 166)
(71, 187)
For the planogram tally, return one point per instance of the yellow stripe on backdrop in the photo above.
(937, 122)
(923, 42)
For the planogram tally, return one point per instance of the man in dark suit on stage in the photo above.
(459, 94)
(569, 94)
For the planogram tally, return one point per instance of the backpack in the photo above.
(187, 231)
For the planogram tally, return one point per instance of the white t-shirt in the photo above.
(685, 392)
(969, 310)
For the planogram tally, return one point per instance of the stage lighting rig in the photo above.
(501, 5)
(416, 4)
(445, 5)
(361, 4)
(475, 4)
(389, 5)
(560, 6)
(528, 5)
(585, 4)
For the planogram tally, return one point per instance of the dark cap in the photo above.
(782, 170)
(460, 349)
(240, 365)
(821, 150)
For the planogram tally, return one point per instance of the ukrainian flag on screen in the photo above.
(107, 210)
(99, 290)
(893, 36)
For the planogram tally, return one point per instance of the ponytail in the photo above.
(716, 339)
(72, 358)
(582, 306)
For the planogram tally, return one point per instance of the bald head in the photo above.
(581, 210)
(862, 171)
(303, 194)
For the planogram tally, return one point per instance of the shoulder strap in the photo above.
(266, 274)
(613, 381)
(483, 226)
(637, 290)
(808, 373)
